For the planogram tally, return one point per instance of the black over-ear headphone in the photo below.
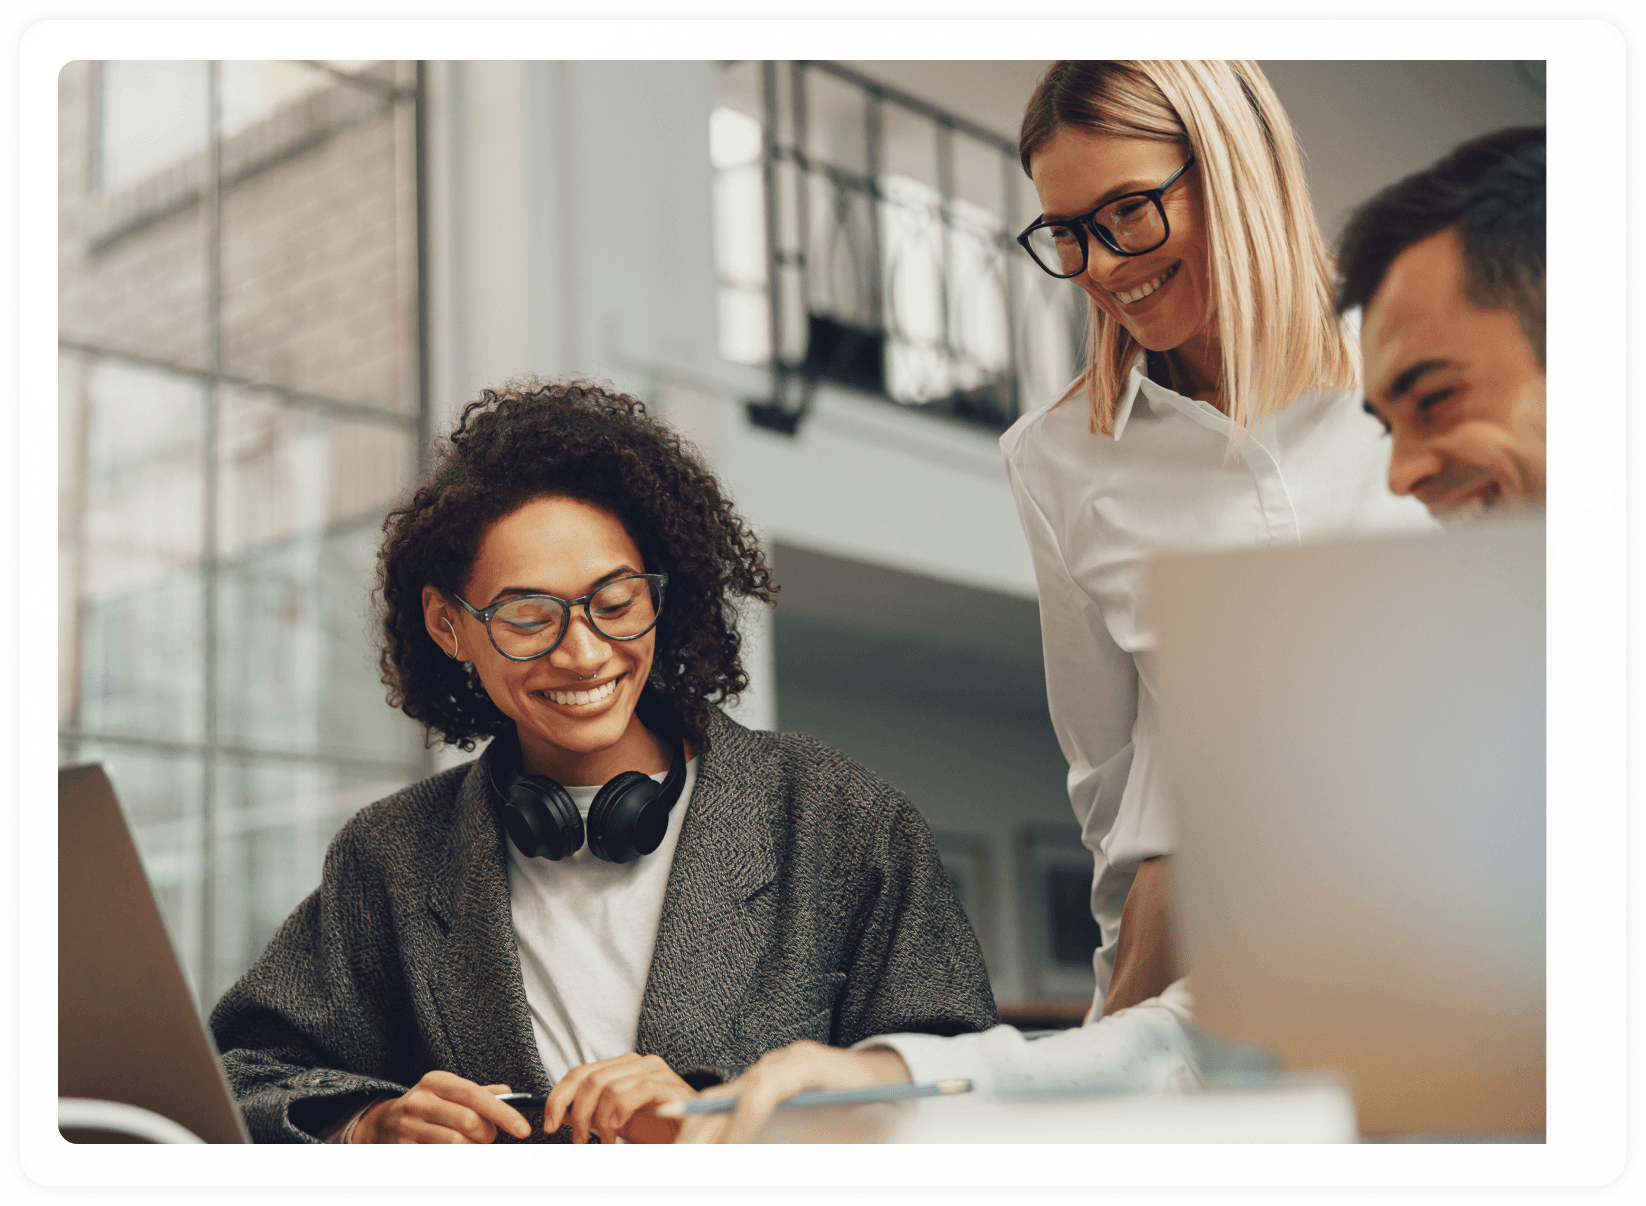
(628, 818)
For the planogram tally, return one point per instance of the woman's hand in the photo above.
(616, 1097)
(779, 1075)
(442, 1108)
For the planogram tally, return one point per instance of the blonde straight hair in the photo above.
(1271, 276)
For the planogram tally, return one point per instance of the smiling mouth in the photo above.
(578, 699)
(1470, 495)
(1142, 291)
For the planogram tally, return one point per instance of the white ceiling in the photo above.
(990, 92)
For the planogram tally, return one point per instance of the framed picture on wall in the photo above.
(1054, 904)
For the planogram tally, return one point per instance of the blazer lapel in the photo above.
(706, 952)
(474, 976)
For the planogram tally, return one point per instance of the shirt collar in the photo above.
(1128, 396)
(1157, 395)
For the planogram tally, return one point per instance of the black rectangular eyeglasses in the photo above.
(1132, 224)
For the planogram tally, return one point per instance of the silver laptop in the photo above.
(1355, 736)
(127, 1028)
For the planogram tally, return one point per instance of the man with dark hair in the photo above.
(1448, 267)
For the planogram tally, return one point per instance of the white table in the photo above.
(1298, 1110)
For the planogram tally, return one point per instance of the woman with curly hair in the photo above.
(627, 896)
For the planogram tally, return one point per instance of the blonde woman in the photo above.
(1217, 410)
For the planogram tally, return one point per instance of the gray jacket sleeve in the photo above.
(313, 1004)
(912, 960)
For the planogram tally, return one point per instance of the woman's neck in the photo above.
(1195, 368)
(639, 749)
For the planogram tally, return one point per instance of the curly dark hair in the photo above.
(573, 439)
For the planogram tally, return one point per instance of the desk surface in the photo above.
(1310, 1111)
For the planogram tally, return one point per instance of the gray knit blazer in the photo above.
(806, 900)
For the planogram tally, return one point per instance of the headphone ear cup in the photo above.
(542, 819)
(627, 819)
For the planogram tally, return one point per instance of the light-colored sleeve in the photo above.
(1147, 1048)
(1092, 695)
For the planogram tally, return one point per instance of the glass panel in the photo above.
(318, 261)
(734, 138)
(273, 823)
(745, 326)
(140, 548)
(319, 247)
(302, 503)
(841, 257)
(740, 226)
(913, 240)
(740, 236)
(151, 114)
(132, 261)
(910, 146)
(254, 91)
(71, 483)
(977, 301)
(160, 795)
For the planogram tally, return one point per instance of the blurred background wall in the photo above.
(279, 281)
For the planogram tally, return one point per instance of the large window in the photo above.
(240, 402)
(865, 237)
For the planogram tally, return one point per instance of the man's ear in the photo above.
(438, 622)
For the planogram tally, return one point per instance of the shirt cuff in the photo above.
(1150, 1047)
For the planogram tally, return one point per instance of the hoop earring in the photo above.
(453, 631)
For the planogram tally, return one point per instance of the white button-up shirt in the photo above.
(1095, 508)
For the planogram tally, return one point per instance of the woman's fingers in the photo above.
(759, 1092)
(583, 1106)
(625, 1110)
(492, 1114)
(497, 1115)
(570, 1087)
(413, 1129)
(779, 1075)
(443, 1105)
(606, 1096)
(431, 1110)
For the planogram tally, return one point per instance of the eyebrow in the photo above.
(507, 591)
(1402, 385)
(1130, 186)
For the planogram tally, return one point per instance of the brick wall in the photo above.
(316, 275)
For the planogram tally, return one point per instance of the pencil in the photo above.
(819, 1097)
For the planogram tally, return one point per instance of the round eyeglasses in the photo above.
(528, 627)
(1134, 224)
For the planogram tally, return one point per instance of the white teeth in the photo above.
(1140, 293)
(572, 698)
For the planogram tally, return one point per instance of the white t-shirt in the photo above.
(586, 929)
(1095, 508)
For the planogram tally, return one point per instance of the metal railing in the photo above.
(891, 263)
